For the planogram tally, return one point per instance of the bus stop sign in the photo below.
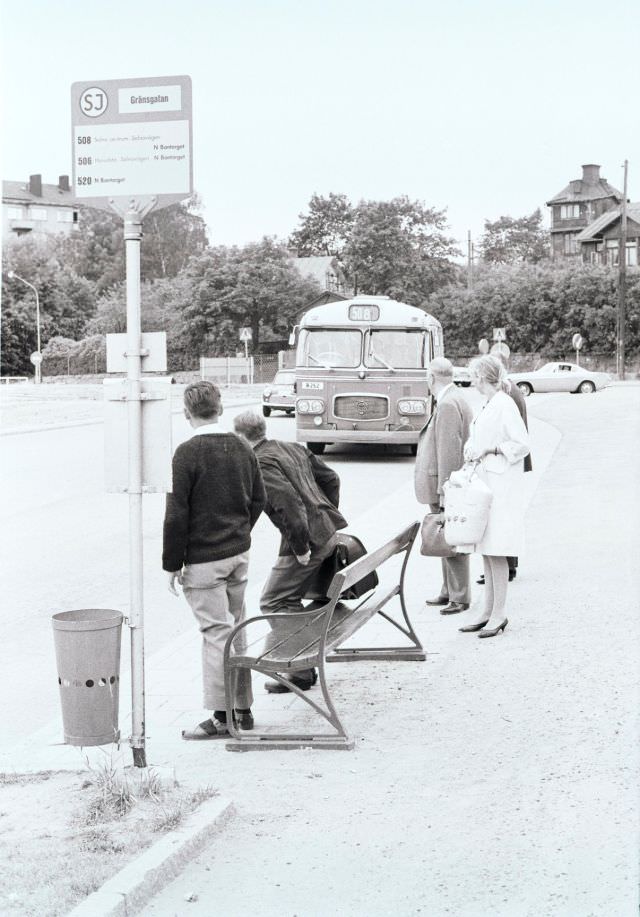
(132, 142)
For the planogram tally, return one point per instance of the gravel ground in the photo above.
(499, 779)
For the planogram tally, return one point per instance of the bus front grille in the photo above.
(361, 407)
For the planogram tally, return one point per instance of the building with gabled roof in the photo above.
(34, 208)
(578, 205)
(600, 241)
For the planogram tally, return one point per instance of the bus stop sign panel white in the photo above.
(153, 361)
(156, 436)
(132, 141)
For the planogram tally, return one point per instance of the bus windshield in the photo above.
(394, 349)
(330, 347)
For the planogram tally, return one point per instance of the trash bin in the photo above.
(88, 659)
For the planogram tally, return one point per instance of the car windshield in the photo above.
(329, 348)
(284, 379)
(394, 349)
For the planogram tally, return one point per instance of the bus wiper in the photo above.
(375, 356)
(310, 356)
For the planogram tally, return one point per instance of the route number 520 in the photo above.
(93, 102)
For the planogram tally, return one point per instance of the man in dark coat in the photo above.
(440, 452)
(302, 502)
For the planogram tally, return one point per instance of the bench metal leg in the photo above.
(264, 741)
(395, 653)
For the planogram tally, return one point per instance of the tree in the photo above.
(254, 285)
(541, 306)
(326, 228)
(398, 248)
(66, 300)
(509, 240)
(171, 236)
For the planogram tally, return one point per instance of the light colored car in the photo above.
(560, 377)
(462, 376)
(280, 394)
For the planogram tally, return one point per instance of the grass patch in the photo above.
(64, 834)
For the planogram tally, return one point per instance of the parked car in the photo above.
(560, 377)
(280, 394)
(462, 376)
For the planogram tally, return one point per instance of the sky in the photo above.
(484, 108)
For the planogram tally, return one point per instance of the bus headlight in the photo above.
(310, 406)
(413, 406)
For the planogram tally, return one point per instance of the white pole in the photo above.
(133, 236)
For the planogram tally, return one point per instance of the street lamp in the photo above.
(38, 355)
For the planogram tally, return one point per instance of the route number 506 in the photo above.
(93, 102)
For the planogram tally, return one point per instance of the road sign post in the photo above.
(132, 152)
(576, 343)
(246, 335)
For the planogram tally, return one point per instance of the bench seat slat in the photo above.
(282, 649)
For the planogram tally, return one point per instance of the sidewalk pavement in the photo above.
(497, 778)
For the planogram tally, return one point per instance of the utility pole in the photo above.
(622, 279)
(469, 260)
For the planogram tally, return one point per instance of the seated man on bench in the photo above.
(302, 502)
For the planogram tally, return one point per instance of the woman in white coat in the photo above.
(499, 441)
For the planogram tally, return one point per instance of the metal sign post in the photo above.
(132, 152)
(576, 342)
(245, 336)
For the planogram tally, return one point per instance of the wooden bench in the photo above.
(284, 643)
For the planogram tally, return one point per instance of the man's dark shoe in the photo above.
(243, 719)
(275, 687)
(454, 608)
(480, 580)
(440, 600)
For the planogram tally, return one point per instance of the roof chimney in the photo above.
(63, 183)
(591, 174)
(35, 185)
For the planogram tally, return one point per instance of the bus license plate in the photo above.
(313, 386)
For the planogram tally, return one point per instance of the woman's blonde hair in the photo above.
(491, 370)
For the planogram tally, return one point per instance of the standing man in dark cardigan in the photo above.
(302, 502)
(217, 497)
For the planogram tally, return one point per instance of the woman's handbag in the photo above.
(467, 501)
(432, 535)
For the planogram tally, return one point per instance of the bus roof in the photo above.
(391, 314)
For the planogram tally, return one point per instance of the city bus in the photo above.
(360, 372)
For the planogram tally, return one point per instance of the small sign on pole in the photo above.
(499, 334)
(576, 343)
(246, 335)
(501, 350)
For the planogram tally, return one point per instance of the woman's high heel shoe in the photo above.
(496, 630)
(470, 628)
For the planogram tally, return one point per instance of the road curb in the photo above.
(133, 887)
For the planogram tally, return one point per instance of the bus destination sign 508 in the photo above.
(132, 139)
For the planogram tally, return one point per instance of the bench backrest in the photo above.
(356, 571)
